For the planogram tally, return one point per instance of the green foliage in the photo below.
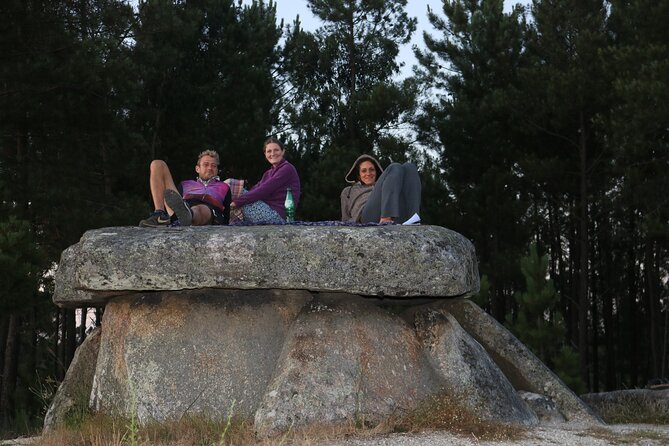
(343, 100)
(21, 263)
(131, 435)
(544, 125)
(566, 366)
(228, 423)
(67, 85)
(640, 106)
(206, 71)
(476, 61)
(538, 322)
(482, 298)
(551, 129)
(436, 201)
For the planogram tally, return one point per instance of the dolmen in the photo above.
(293, 325)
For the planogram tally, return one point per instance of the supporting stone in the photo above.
(646, 403)
(176, 353)
(523, 369)
(288, 359)
(72, 397)
(467, 373)
(345, 360)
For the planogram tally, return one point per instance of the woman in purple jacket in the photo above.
(264, 202)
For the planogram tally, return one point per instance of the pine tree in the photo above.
(473, 63)
(21, 263)
(538, 322)
(566, 90)
(343, 99)
(636, 128)
(207, 72)
(63, 91)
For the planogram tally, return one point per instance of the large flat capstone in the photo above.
(390, 261)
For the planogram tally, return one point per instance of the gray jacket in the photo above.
(353, 199)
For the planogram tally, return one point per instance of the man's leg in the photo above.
(187, 213)
(160, 178)
(201, 215)
(182, 210)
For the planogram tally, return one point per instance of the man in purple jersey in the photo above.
(203, 201)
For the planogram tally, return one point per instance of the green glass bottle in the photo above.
(289, 206)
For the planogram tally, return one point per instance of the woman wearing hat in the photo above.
(380, 196)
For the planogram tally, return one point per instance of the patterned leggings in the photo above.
(260, 212)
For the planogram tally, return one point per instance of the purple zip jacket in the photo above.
(272, 188)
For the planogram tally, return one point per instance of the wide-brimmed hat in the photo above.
(352, 175)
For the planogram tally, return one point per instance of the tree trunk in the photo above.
(607, 316)
(572, 295)
(9, 372)
(99, 311)
(58, 341)
(629, 338)
(595, 339)
(583, 269)
(351, 115)
(70, 336)
(652, 301)
(4, 327)
(29, 358)
(106, 175)
(81, 335)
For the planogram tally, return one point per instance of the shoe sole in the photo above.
(174, 201)
(144, 224)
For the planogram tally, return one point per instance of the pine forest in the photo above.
(541, 133)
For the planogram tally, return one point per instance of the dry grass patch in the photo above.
(443, 413)
(106, 430)
(634, 409)
(440, 413)
(627, 437)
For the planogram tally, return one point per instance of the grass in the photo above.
(106, 430)
(435, 414)
(634, 409)
(443, 413)
(632, 437)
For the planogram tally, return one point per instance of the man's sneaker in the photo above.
(180, 208)
(157, 218)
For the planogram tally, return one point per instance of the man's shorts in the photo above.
(219, 216)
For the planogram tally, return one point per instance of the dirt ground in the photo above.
(551, 435)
